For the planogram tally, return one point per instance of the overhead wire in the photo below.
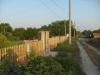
(54, 11)
(51, 10)
(57, 5)
(53, 1)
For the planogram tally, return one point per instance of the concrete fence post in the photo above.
(28, 49)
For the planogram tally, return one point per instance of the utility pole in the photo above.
(65, 27)
(74, 30)
(70, 40)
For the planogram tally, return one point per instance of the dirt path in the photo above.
(93, 48)
(88, 67)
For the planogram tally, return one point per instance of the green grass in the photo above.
(62, 64)
(17, 42)
(65, 47)
(66, 56)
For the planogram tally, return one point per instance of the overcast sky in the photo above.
(36, 13)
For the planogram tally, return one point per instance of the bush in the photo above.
(66, 47)
(44, 66)
(71, 68)
(32, 54)
(4, 42)
(66, 57)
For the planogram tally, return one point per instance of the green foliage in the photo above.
(44, 66)
(10, 36)
(66, 47)
(88, 34)
(60, 65)
(32, 54)
(66, 58)
(57, 28)
(70, 66)
(28, 34)
(4, 42)
(31, 33)
(7, 30)
(12, 69)
(8, 66)
(19, 33)
(5, 27)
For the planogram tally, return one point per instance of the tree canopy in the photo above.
(56, 28)
(96, 31)
(88, 33)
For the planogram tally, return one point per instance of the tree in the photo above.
(96, 31)
(31, 33)
(58, 28)
(88, 34)
(20, 33)
(5, 27)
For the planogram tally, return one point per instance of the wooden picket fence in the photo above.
(18, 53)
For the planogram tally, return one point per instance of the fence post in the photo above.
(28, 49)
(0, 55)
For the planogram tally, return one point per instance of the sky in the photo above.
(36, 13)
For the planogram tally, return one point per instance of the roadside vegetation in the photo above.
(65, 63)
(5, 42)
(68, 56)
(17, 35)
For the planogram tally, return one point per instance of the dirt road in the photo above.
(87, 65)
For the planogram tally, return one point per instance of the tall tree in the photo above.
(5, 27)
(19, 33)
(58, 28)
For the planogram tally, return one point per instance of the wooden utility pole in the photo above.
(70, 40)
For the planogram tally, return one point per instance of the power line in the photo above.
(54, 11)
(62, 9)
(49, 8)
(53, 1)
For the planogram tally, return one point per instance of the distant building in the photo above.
(96, 35)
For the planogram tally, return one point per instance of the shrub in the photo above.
(44, 66)
(32, 54)
(66, 47)
(71, 68)
(66, 55)
(4, 41)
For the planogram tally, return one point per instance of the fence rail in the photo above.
(19, 53)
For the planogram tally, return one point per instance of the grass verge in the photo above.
(68, 57)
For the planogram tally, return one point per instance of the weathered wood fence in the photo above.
(18, 53)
